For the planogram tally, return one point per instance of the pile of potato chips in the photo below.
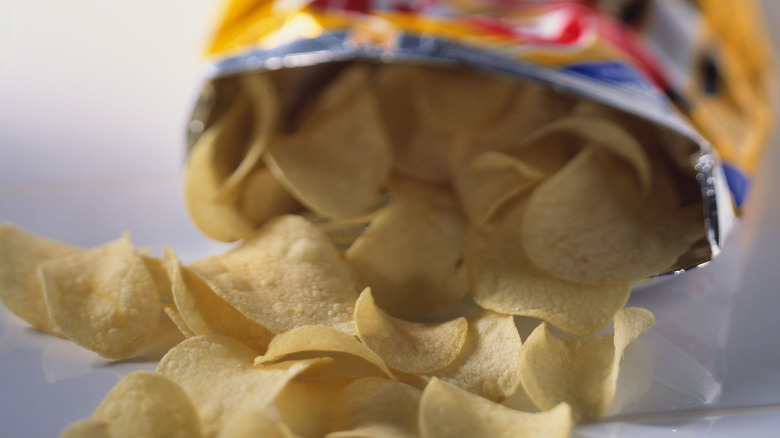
(421, 252)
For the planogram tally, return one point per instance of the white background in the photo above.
(94, 101)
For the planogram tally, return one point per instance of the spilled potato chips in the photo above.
(460, 204)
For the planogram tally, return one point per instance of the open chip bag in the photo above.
(439, 209)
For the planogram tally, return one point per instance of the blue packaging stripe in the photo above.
(738, 182)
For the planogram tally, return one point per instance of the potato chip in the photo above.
(580, 371)
(419, 150)
(489, 180)
(175, 316)
(285, 275)
(590, 223)
(334, 165)
(503, 279)
(451, 412)
(489, 363)
(142, 404)
(210, 162)
(350, 80)
(601, 133)
(219, 375)
(254, 424)
(307, 406)
(103, 298)
(21, 252)
(376, 407)
(262, 197)
(530, 106)
(322, 341)
(407, 346)
(460, 99)
(265, 111)
(161, 275)
(202, 312)
(410, 255)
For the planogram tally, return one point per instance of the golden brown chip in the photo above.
(411, 253)
(21, 253)
(452, 412)
(336, 164)
(581, 371)
(376, 407)
(407, 346)
(202, 312)
(590, 223)
(147, 404)
(489, 363)
(103, 298)
(504, 280)
(322, 341)
(285, 275)
(219, 375)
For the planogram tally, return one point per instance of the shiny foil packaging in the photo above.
(697, 73)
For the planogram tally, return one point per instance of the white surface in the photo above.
(94, 98)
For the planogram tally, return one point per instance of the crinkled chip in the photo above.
(141, 404)
(209, 164)
(322, 341)
(411, 253)
(489, 363)
(591, 223)
(336, 164)
(285, 275)
(580, 371)
(202, 312)
(452, 412)
(408, 346)
(21, 253)
(103, 298)
(219, 375)
(503, 279)
(376, 407)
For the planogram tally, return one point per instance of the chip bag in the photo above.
(345, 95)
